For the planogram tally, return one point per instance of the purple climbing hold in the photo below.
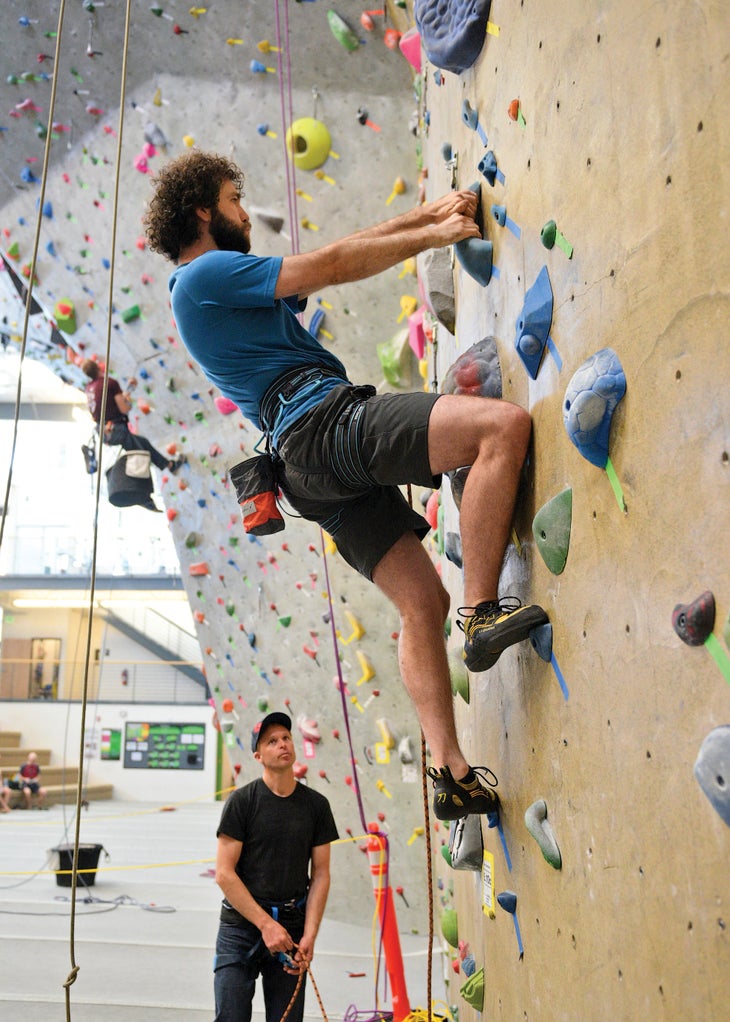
(693, 622)
(452, 31)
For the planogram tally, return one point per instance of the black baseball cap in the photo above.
(270, 718)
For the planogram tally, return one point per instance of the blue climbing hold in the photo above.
(488, 166)
(542, 641)
(452, 31)
(590, 401)
(533, 323)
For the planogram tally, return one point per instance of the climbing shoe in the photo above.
(453, 799)
(489, 628)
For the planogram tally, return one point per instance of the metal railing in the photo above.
(133, 681)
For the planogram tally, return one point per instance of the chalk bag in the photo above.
(256, 492)
(129, 480)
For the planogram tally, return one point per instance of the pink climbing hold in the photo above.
(225, 406)
(410, 46)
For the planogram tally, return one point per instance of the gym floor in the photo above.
(145, 931)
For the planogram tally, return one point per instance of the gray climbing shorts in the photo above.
(342, 463)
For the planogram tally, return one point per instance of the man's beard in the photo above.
(228, 236)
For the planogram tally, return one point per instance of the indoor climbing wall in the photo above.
(598, 141)
(597, 138)
(217, 77)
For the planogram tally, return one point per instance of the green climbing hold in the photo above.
(342, 32)
(446, 852)
(450, 926)
(473, 990)
(551, 529)
(459, 675)
(132, 313)
(285, 621)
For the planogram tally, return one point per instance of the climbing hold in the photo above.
(309, 729)
(201, 568)
(712, 770)
(551, 529)
(473, 990)
(342, 32)
(132, 313)
(399, 187)
(508, 901)
(538, 827)
(459, 675)
(366, 667)
(693, 622)
(476, 371)
(466, 848)
(410, 46)
(541, 639)
(363, 118)
(471, 119)
(64, 314)
(533, 323)
(308, 142)
(437, 279)
(452, 549)
(488, 167)
(431, 512)
(452, 34)
(261, 69)
(590, 400)
(550, 236)
(514, 112)
(475, 255)
(450, 927)
(224, 405)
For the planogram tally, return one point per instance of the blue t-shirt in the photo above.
(241, 336)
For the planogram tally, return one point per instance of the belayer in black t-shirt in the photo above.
(273, 866)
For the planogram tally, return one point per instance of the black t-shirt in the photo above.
(278, 835)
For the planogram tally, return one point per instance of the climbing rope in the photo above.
(287, 116)
(31, 274)
(429, 874)
(71, 979)
(297, 988)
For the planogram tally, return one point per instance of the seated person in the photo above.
(27, 780)
(4, 796)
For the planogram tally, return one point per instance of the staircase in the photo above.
(60, 782)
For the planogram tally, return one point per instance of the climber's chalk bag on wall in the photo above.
(256, 493)
(129, 480)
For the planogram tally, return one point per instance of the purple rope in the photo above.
(288, 164)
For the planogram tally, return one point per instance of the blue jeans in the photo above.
(240, 958)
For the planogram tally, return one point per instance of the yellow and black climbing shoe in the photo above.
(453, 799)
(489, 628)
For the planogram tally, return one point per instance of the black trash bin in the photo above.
(88, 859)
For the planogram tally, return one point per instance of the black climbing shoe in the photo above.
(491, 627)
(454, 799)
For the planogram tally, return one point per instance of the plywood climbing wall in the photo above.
(621, 140)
